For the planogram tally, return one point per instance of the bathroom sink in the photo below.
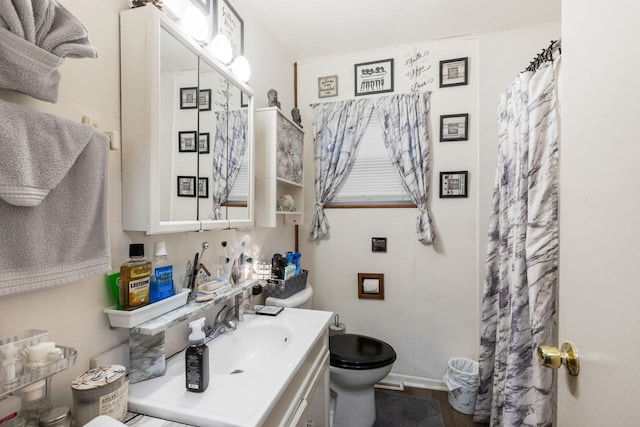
(250, 368)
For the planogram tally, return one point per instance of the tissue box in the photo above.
(285, 288)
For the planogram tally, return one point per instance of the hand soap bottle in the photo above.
(197, 358)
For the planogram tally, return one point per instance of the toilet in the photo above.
(357, 363)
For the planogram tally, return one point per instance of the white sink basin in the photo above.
(249, 370)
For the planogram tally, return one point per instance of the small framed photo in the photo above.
(186, 186)
(327, 86)
(378, 244)
(374, 77)
(205, 100)
(454, 184)
(203, 143)
(187, 141)
(188, 98)
(454, 72)
(203, 188)
(454, 127)
(371, 285)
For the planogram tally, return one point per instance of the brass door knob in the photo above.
(551, 357)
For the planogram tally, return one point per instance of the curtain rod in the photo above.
(545, 56)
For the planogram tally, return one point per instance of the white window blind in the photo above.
(240, 189)
(373, 179)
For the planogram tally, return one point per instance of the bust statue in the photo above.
(295, 115)
(272, 96)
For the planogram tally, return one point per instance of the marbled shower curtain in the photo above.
(519, 298)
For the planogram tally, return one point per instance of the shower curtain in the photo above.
(519, 298)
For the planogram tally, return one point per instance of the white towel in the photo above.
(53, 200)
(35, 37)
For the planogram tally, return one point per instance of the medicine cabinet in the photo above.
(187, 132)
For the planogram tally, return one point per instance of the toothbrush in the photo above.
(240, 248)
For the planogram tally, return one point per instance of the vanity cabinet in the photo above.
(279, 172)
(187, 127)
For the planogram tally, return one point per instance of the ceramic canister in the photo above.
(100, 391)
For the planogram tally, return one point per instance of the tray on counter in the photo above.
(132, 318)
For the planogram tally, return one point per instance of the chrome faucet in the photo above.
(222, 324)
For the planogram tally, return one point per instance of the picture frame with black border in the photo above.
(186, 186)
(203, 5)
(204, 102)
(373, 77)
(203, 188)
(230, 24)
(203, 143)
(378, 244)
(454, 72)
(188, 98)
(187, 141)
(454, 184)
(454, 127)
(327, 86)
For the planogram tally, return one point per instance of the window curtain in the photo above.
(520, 288)
(338, 129)
(404, 125)
(229, 145)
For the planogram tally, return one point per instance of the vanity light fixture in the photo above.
(241, 68)
(195, 24)
(221, 49)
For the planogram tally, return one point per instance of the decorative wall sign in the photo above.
(187, 142)
(374, 77)
(454, 127)
(371, 285)
(378, 244)
(205, 100)
(327, 86)
(203, 143)
(454, 72)
(453, 184)
(231, 26)
(417, 66)
(203, 188)
(186, 186)
(188, 98)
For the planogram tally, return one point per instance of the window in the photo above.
(238, 193)
(373, 179)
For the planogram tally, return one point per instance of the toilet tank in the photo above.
(300, 299)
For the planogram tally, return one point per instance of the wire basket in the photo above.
(281, 289)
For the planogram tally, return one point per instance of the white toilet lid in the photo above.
(295, 300)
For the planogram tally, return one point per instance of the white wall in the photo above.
(74, 312)
(432, 293)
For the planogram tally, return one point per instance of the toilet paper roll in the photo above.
(338, 329)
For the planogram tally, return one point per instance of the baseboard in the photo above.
(399, 382)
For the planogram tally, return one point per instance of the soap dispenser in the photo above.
(197, 358)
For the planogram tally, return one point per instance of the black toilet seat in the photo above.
(352, 351)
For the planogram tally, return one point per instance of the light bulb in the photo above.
(221, 49)
(241, 68)
(195, 24)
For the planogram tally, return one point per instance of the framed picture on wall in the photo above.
(454, 72)
(374, 77)
(327, 86)
(203, 188)
(203, 143)
(187, 141)
(188, 98)
(454, 184)
(205, 100)
(454, 127)
(186, 186)
(230, 24)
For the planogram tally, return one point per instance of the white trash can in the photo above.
(462, 380)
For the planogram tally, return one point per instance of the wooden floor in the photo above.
(450, 416)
